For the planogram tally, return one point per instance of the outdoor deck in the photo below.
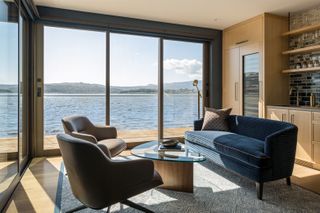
(10, 145)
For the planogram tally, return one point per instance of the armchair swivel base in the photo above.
(126, 202)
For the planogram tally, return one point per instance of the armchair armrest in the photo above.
(137, 172)
(281, 147)
(84, 136)
(103, 132)
(197, 125)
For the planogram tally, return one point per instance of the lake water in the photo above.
(128, 112)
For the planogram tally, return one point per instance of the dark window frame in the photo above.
(210, 38)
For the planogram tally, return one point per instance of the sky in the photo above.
(8, 53)
(72, 55)
(79, 56)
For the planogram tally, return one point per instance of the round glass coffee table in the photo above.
(175, 167)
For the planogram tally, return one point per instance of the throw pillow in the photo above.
(216, 119)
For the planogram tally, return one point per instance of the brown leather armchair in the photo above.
(104, 136)
(98, 181)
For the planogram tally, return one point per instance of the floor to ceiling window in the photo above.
(133, 80)
(74, 78)
(13, 95)
(9, 97)
(182, 66)
(76, 73)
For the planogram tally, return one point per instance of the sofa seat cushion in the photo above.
(246, 149)
(239, 147)
(204, 138)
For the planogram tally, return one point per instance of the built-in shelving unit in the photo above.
(302, 50)
(302, 30)
(311, 69)
(309, 49)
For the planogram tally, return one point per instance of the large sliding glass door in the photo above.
(182, 78)
(117, 83)
(23, 88)
(74, 78)
(14, 151)
(134, 86)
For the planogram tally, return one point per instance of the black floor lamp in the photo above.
(195, 84)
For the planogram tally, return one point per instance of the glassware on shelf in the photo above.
(310, 63)
(298, 66)
(304, 64)
(317, 37)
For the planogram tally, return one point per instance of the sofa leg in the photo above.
(259, 188)
(288, 181)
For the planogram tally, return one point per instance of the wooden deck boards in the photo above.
(10, 145)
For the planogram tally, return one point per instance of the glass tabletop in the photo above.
(150, 150)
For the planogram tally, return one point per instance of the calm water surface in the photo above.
(128, 112)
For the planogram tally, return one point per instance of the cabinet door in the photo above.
(278, 114)
(302, 119)
(316, 136)
(231, 80)
(316, 152)
(249, 31)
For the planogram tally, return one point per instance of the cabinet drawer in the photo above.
(316, 116)
(316, 132)
(316, 152)
(278, 114)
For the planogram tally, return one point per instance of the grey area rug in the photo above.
(215, 190)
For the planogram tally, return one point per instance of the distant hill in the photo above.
(7, 88)
(74, 88)
(86, 88)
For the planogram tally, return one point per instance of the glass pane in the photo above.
(9, 102)
(133, 78)
(23, 70)
(251, 85)
(74, 78)
(182, 65)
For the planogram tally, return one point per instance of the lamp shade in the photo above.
(195, 83)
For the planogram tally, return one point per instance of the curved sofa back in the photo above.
(257, 128)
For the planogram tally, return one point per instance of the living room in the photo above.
(159, 106)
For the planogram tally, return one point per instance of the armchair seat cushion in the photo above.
(240, 147)
(115, 145)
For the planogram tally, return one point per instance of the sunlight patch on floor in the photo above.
(303, 172)
(35, 192)
(211, 176)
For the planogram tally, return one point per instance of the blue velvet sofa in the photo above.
(259, 149)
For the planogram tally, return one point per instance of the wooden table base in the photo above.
(176, 176)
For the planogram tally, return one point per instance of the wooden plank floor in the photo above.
(37, 190)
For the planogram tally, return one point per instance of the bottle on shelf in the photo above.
(312, 100)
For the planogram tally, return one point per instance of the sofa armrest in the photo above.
(281, 148)
(197, 125)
